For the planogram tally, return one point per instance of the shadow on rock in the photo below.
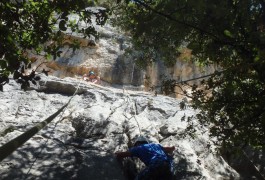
(55, 162)
(181, 171)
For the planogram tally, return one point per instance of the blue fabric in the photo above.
(150, 154)
(158, 169)
(159, 164)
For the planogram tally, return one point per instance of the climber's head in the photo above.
(91, 73)
(141, 140)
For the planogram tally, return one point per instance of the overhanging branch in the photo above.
(177, 21)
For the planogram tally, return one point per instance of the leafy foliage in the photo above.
(40, 26)
(229, 34)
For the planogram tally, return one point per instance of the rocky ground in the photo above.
(80, 142)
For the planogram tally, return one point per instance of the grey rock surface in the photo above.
(80, 142)
(108, 58)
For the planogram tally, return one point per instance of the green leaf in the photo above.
(228, 33)
(3, 63)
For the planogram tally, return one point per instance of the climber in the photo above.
(91, 77)
(159, 165)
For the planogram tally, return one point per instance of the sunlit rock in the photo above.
(80, 142)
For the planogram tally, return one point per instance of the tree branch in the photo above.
(180, 22)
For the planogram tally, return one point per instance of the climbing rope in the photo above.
(175, 82)
(60, 119)
(135, 110)
(15, 143)
(134, 106)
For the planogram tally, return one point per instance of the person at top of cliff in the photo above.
(159, 165)
(91, 77)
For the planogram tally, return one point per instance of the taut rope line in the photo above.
(37, 156)
(134, 108)
(15, 143)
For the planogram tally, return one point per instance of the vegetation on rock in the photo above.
(39, 27)
(229, 34)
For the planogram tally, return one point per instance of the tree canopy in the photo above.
(229, 34)
(39, 27)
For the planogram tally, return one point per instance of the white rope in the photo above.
(134, 108)
(60, 119)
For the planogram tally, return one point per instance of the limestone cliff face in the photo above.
(80, 142)
(106, 56)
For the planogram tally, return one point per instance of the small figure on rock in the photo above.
(159, 164)
(91, 77)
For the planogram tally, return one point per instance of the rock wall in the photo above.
(181, 71)
(80, 143)
(106, 56)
